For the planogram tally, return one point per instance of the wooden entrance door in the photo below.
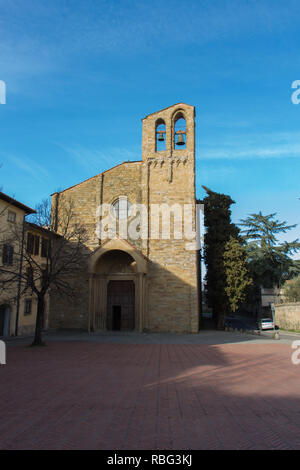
(120, 305)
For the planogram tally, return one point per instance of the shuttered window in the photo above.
(36, 245)
(29, 274)
(45, 247)
(8, 254)
(11, 217)
(30, 243)
(33, 244)
(27, 307)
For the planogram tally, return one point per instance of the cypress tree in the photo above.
(219, 229)
(238, 280)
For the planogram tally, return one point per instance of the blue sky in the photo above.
(80, 75)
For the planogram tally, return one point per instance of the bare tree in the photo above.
(65, 255)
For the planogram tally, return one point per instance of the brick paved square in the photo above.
(101, 395)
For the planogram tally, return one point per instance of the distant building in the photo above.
(270, 296)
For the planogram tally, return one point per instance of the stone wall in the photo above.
(105, 188)
(86, 197)
(288, 316)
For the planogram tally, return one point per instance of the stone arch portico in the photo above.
(117, 262)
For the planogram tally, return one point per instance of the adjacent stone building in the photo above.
(140, 279)
(19, 240)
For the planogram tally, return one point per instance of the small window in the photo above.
(45, 250)
(44, 275)
(122, 208)
(30, 243)
(29, 275)
(36, 245)
(11, 217)
(27, 307)
(7, 254)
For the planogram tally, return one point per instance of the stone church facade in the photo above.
(148, 283)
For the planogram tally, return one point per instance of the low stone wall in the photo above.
(288, 316)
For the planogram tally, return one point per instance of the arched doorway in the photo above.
(119, 271)
(120, 305)
(117, 287)
(4, 320)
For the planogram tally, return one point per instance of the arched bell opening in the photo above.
(160, 135)
(179, 135)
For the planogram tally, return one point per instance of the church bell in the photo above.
(161, 136)
(180, 140)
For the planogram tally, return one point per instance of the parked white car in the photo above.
(266, 324)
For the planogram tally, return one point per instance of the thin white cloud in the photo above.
(218, 173)
(27, 165)
(275, 145)
(95, 160)
(260, 152)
